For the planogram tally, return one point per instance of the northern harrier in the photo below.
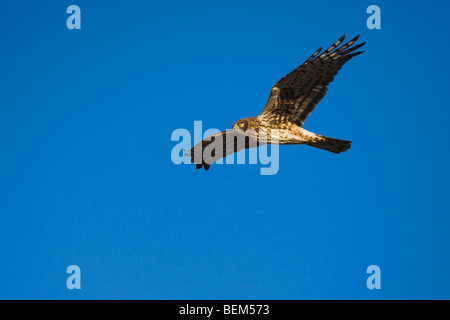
(291, 101)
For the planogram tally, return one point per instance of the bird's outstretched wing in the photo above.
(296, 95)
(220, 145)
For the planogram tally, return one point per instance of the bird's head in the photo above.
(242, 124)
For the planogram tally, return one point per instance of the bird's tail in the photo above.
(329, 144)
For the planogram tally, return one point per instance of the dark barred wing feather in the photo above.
(295, 96)
(215, 147)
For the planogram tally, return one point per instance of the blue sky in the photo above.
(86, 176)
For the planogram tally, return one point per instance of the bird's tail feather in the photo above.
(330, 144)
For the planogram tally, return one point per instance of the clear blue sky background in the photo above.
(86, 176)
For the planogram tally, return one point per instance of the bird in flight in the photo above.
(291, 101)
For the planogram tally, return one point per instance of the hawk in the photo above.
(291, 101)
